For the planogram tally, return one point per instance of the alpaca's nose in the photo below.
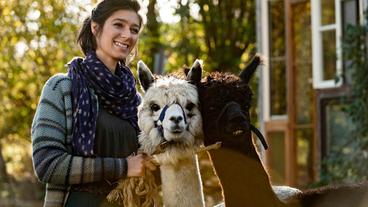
(176, 119)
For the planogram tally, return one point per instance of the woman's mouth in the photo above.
(121, 45)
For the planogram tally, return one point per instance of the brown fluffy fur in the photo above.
(243, 178)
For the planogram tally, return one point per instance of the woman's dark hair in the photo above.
(100, 14)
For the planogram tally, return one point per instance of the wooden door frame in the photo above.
(287, 124)
(282, 125)
(291, 144)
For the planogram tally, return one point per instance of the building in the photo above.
(302, 85)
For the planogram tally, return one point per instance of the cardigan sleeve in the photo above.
(53, 161)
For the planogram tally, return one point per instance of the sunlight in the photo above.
(167, 10)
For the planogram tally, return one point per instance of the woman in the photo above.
(85, 128)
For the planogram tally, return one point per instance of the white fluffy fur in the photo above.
(285, 193)
(181, 181)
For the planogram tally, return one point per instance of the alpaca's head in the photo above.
(225, 102)
(169, 112)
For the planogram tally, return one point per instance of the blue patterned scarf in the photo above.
(116, 94)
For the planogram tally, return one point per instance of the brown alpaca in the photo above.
(225, 101)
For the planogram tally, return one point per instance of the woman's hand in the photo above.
(138, 164)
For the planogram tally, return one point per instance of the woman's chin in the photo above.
(121, 57)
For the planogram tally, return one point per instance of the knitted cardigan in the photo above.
(52, 157)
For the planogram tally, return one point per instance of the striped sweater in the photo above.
(52, 156)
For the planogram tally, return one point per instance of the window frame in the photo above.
(317, 51)
(265, 73)
(265, 70)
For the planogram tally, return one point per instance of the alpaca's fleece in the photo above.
(167, 91)
(286, 193)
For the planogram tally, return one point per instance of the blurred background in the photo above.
(310, 97)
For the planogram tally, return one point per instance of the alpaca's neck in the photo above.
(181, 184)
(243, 179)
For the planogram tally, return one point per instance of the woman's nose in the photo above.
(125, 33)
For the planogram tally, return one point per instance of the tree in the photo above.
(37, 40)
(151, 40)
(190, 32)
(229, 31)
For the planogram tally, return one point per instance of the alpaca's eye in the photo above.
(189, 106)
(154, 107)
(190, 115)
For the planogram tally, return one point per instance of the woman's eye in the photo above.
(134, 31)
(189, 106)
(154, 107)
(119, 25)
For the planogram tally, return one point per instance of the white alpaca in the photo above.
(169, 113)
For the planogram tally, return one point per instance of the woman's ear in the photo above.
(94, 28)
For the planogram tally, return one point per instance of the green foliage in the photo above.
(356, 47)
(222, 34)
(37, 39)
(150, 38)
(229, 32)
(349, 163)
(188, 42)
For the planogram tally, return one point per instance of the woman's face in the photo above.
(118, 36)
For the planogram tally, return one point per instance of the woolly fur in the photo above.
(166, 91)
(181, 181)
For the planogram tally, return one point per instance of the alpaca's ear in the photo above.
(249, 70)
(144, 75)
(194, 76)
(186, 70)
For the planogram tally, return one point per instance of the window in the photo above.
(276, 158)
(277, 54)
(304, 156)
(326, 35)
(338, 126)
